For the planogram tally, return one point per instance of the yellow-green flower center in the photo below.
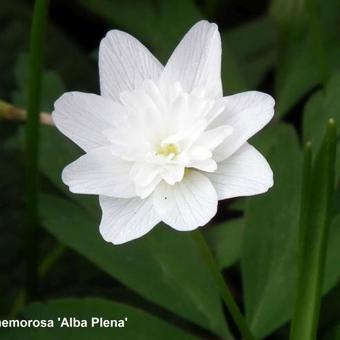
(168, 150)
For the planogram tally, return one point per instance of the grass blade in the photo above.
(32, 141)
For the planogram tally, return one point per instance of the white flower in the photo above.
(162, 143)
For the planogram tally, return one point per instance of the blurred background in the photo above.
(289, 49)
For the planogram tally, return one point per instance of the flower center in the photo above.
(168, 150)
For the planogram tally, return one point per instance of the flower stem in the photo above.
(32, 142)
(316, 202)
(221, 284)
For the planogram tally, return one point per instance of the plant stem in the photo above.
(10, 112)
(221, 284)
(32, 142)
(316, 203)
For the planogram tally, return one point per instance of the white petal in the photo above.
(188, 204)
(207, 165)
(83, 116)
(124, 220)
(99, 172)
(146, 176)
(199, 153)
(196, 61)
(124, 63)
(144, 191)
(247, 113)
(173, 173)
(210, 139)
(245, 173)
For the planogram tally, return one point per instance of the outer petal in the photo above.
(196, 61)
(188, 204)
(99, 172)
(123, 63)
(83, 116)
(245, 173)
(247, 113)
(124, 220)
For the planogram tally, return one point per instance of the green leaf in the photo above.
(225, 241)
(254, 59)
(317, 196)
(289, 15)
(308, 59)
(268, 137)
(164, 266)
(264, 142)
(296, 74)
(322, 106)
(269, 254)
(232, 77)
(139, 324)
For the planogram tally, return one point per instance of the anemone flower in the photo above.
(161, 142)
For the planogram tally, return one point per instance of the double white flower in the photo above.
(162, 143)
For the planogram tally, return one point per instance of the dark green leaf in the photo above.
(322, 106)
(164, 266)
(297, 73)
(253, 59)
(309, 59)
(269, 255)
(269, 248)
(225, 240)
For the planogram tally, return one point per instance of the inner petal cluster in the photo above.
(162, 131)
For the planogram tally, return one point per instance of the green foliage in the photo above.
(155, 266)
(306, 58)
(322, 106)
(296, 75)
(269, 244)
(225, 240)
(254, 59)
(315, 216)
(269, 255)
